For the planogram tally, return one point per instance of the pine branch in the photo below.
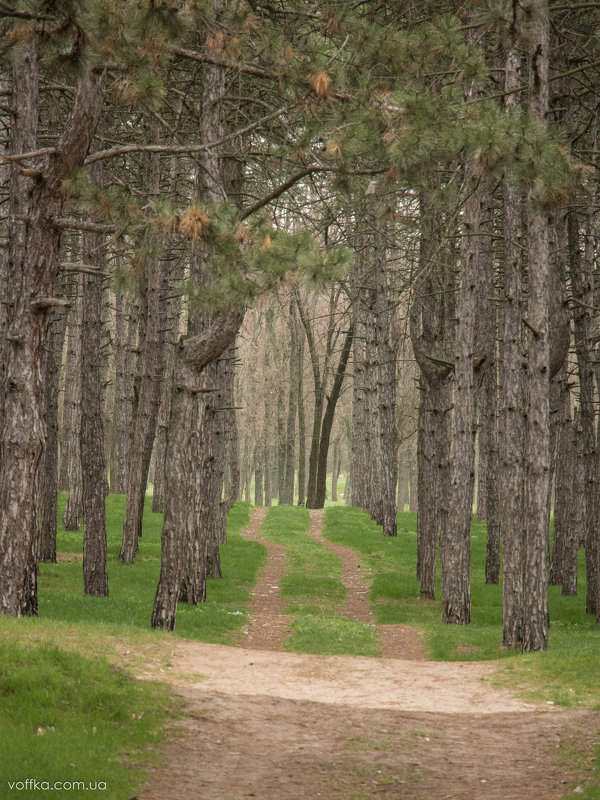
(203, 58)
(44, 303)
(186, 149)
(524, 86)
(279, 190)
(86, 269)
(283, 187)
(85, 225)
(528, 324)
(440, 362)
(45, 151)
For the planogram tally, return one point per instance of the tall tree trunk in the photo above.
(152, 373)
(281, 443)
(179, 503)
(432, 334)
(229, 425)
(582, 287)
(301, 425)
(259, 499)
(364, 391)
(566, 538)
(34, 263)
(321, 485)
(537, 466)
(335, 471)
(71, 434)
(387, 346)
(512, 401)
(266, 434)
(49, 478)
(162, 421)
(5, 184)
(455, 543)
(95, 576)
(287, 493)
(319, 390)
(212, 183)
(487, 383)
(181, 507)
(121, 422)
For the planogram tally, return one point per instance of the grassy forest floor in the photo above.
(343, 683)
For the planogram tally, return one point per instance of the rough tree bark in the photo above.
(151, 377)
(93, 468)
(455, 542)
(192, 356)
(365, 441)
(231, 446)
(512, 400)
(537, 466)
(35, 202)
(49, 477)
(582, 284)
(71, 429)
(432, 334)
(566, 535)
(387, 349)
(121, 423)
(162, 421)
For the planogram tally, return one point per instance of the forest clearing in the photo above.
(276, 686)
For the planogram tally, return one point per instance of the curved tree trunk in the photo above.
(180, 528)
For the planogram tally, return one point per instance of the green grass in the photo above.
(65, 717)
(565, 674)
(62, 703)
(132, 586)
(313, 586)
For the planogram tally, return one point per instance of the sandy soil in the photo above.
(275, 725)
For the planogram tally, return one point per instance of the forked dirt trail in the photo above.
(395, 641)
(278, 726)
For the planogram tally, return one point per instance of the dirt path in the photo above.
(395, 641)
(268, 626)
(279, 726)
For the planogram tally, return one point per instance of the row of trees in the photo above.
(414, 181)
